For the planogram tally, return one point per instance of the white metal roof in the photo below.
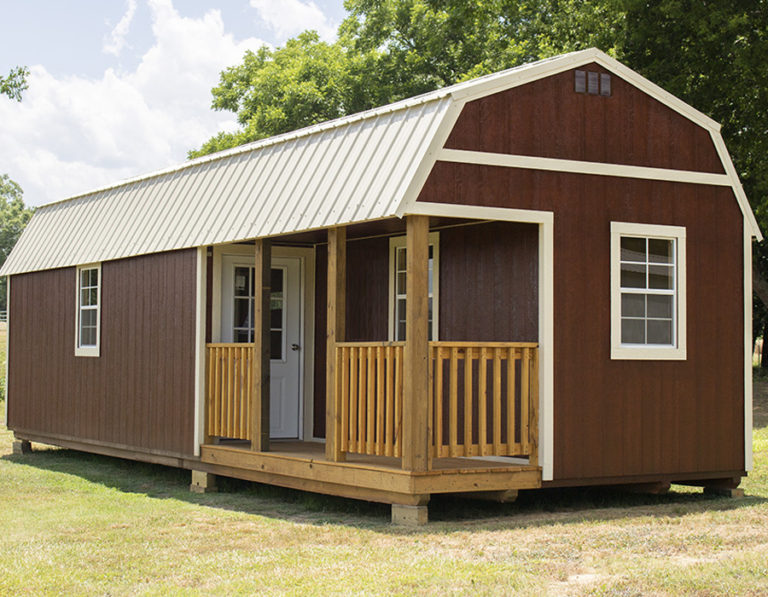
(362, 167)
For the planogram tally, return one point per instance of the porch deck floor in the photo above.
(302, 465)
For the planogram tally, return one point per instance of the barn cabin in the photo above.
(536, 278)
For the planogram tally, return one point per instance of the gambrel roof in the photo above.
(362, 167)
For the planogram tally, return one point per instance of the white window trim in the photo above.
(87, 351)
(400, 241)
(620, 351)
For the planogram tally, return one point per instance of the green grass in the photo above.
(75, 523)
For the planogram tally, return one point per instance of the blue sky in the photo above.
(122, 87)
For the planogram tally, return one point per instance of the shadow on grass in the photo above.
(535, 508)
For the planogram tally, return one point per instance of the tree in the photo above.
(15, 83)
(14, 216)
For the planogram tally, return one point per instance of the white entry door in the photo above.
(237, 278)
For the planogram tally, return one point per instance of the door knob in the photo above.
(295, 347)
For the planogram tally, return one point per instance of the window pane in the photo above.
(88, 336)
(276, 314)
(94, 296)
(242, 336)
(400, 283)
(88, 317)
(632, 249)
(276, 344)
(659, 331)
(400, 259)
(633, 305)
(660, 305)
(84, 278)
(94, 277)
(241, 281)
(660, 276)
(242, 314)
(401, 331)
(659, 250)
(633, 331)
(84, 296)
(277, 280)
(632, 275)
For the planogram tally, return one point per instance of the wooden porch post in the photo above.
(261, 335)
(416, 424)
(336, 332)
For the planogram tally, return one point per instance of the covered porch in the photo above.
(403, 419)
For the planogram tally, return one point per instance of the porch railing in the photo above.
(228, 392)
(484, 397)
(370, 392)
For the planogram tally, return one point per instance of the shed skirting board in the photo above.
(107, 448)
(545, 220)
(681, 478)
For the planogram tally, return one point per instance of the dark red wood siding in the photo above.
(623, 418)
(548, 118)
(140, 392)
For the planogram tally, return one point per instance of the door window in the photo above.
(243, 297)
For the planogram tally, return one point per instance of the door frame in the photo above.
(306, 257)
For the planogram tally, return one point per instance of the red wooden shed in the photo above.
(537, 278)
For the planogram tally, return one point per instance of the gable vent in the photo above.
(592, 83)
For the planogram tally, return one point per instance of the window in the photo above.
(647, 291)
(592, 83)
(397, 286)
(88, 311)
(243, 309)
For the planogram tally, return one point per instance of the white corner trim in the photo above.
(748, 464)
(428, 160)
(620, 351)
(200, 308)
(88, 351)
(735, 183)
(580, 167)
(7, 341)
(546, 346)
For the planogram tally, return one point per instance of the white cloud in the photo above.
(116, 40)
(72, 134)
(290, 17)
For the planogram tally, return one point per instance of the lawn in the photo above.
(81, 524)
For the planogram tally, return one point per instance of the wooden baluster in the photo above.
(533, 448)
(353, 430)
(482, 397)
(389, 433)
(496, 402)
(525, 397)
(343, 401)
(370, 403)
(380, 403)
(511, 444)
(361, 402)
(453, 413)
(438, 401)
(398, 401)
(467, 401)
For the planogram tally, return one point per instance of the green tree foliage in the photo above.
(14, 216)
(15, 83)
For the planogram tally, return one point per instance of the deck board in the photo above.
(303, 465)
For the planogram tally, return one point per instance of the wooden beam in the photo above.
(336, 332)
(416, 426)
(259, 420)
